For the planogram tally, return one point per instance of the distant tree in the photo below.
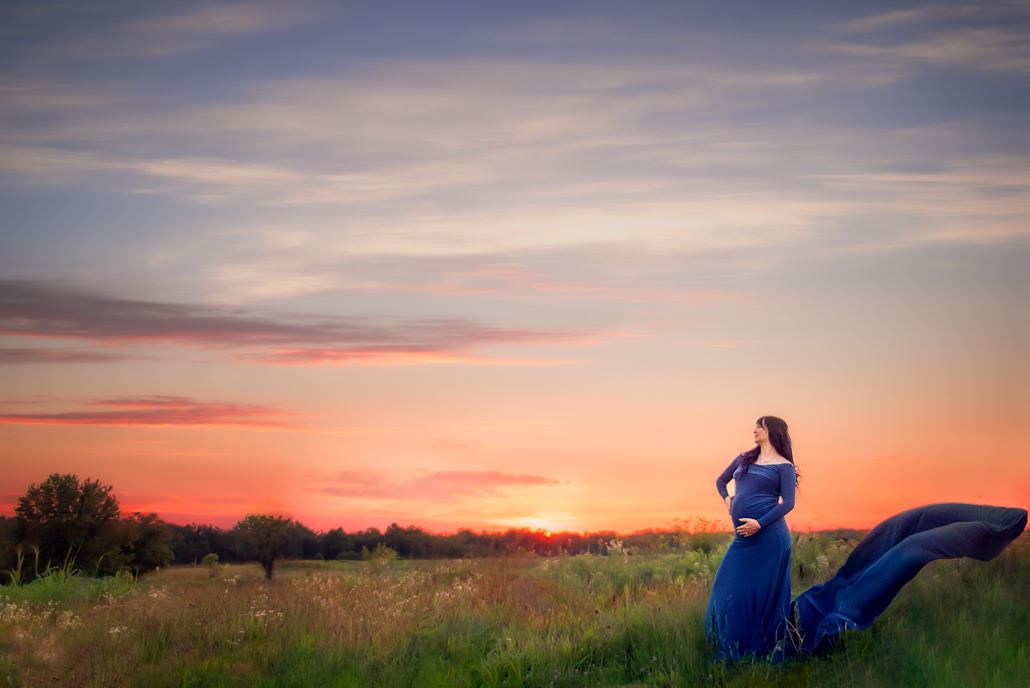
(411, 542)
(337, 542)
(366, 539)
(304, 543)
(9, 528)
(150, 536)
(73, 522)
(190, 543)
(264, 538)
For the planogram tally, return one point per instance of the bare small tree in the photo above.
(263, 538)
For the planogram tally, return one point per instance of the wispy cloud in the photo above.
(991, 36)
(21, 356)
(385, 357)
(109, 30)
(160, 411)
(32, 94)
(452, 446)
(35, 310)
(501, 276)
(651, 152)
(157, 453)
(983, 48)
(934, 13)
(195, 27)
(506, 427)
(441, 486)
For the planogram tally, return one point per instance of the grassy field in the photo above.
(566, 621)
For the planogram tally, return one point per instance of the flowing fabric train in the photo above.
(890, 556)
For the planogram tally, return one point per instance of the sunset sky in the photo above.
(529, 264)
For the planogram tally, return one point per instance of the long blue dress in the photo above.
(750, 601)
(750, 606)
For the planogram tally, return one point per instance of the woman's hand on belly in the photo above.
(748, 527)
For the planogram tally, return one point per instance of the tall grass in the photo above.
(566, 621)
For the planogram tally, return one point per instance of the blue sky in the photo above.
(513, 210)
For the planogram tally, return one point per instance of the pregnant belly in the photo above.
(751, 508)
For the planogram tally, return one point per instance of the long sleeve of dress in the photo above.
(726, 477)
(788, 481)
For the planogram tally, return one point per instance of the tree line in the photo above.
(192, 542)
(63, 522)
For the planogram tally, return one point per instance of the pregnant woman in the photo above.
(750, 612)
(750, 600)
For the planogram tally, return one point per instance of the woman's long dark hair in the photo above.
(779, 438)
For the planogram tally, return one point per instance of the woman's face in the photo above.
(761, 434)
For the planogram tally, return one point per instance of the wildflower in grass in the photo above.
(67, 620)
(615, 546)
(822, 563)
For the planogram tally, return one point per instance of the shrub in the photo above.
(380, 552)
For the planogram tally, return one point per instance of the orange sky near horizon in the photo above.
(500, 266)
(629, 452)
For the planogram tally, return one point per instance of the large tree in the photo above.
(264, 538)
(72, 522)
